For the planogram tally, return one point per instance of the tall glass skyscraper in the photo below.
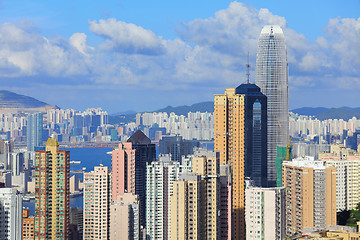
(271, 75)
(34, 131)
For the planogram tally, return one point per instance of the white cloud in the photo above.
(78, 40)
(127, 37)
(209, 54)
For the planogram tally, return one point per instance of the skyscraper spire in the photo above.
(248, 69)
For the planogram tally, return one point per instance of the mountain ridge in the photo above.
(13, 102)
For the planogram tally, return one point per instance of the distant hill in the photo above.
(181, 110)
(12, 102)
(309, 111)
(320, 113)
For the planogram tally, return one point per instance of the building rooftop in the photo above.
(306, 162)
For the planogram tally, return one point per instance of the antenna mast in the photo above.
(248, 69)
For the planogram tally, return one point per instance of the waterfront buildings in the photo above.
(52, 171)
(97, 199)
(10, 214)
(123, 170)
(310, 195)
(125, 218)
(145, 153)
(271, 75)
(160, 176)
(265, 213)
(34, 131)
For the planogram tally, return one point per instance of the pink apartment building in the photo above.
(123, 170)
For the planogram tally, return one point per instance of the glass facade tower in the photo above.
(271, 75)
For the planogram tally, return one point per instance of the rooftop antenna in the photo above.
(248, 69)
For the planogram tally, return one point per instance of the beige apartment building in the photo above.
(125, 217)
(187, 208)
(229, 111)
(199, 203)
(347, 164)
(97, 199)
(310, 195)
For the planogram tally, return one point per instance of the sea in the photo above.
(89, 158)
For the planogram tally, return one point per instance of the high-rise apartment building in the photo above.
(125, 217)
(52, 169)
(188, 203)
(229, 111)
(28, 226)
(145, 153)
(10, 214)
(271, 75)
(310, 195)
(34, 131)
(97, 199)
(347, 180)
(6, 147)
(160, 176)
(265, 213)
(123, 170)
(199, 204)
(16, 160)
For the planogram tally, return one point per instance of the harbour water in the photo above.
(89, 157)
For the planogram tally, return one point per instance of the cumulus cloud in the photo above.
(30, 54)
(127, 37)
(209, 54)
(78, 40)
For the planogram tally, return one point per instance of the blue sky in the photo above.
(144, 55)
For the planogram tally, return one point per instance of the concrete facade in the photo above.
(265, 213)
(310, 195)
(125, 217)
(123, 170)
(97, 199)
(229, 111)
(52, 169)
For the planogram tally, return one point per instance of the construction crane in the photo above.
(288, 145)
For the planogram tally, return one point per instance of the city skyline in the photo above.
(61, 54)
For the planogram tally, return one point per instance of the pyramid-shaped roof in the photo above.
(139, 138)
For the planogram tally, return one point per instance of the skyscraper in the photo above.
(265, 213)
(145, 153)
(123, 170)
(52, 169)
(199, 203)
(97, 199)
(159, 187)
(10, 214)
(255, 133)
(310, 189)
(271, 75)
(229, 111)
(124, 218)
(34, 131)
